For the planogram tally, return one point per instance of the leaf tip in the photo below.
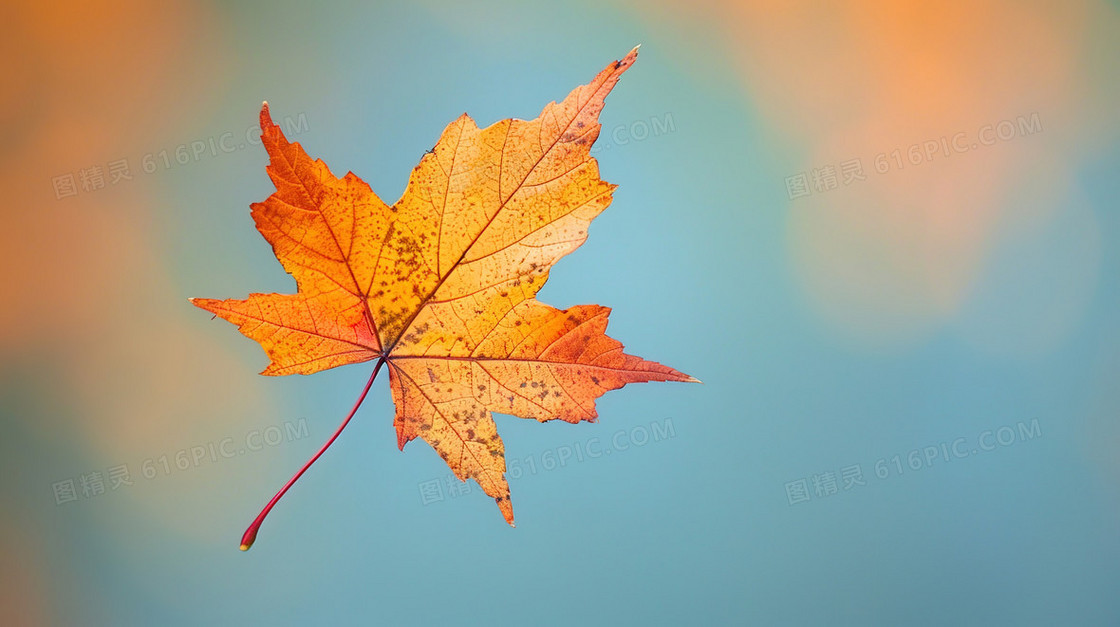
(266, 117)
(245, 547)
(506, 507)
(625, 62)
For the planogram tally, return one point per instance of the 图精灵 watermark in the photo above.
(113, 478)
(831, 177)
(827, 483)
(638, 436)
(96, 177)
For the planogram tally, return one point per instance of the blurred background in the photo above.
(883, 234)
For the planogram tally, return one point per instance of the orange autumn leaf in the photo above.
(441, 286)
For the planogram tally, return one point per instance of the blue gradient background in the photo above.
(105, 362)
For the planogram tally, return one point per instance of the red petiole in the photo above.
(251, 533)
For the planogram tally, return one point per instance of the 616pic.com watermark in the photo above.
(450, 486)
(828, 177)
(636, 131)
(94, 177)
(93, 483)
(827, 483)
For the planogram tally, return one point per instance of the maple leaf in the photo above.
(441, 285)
